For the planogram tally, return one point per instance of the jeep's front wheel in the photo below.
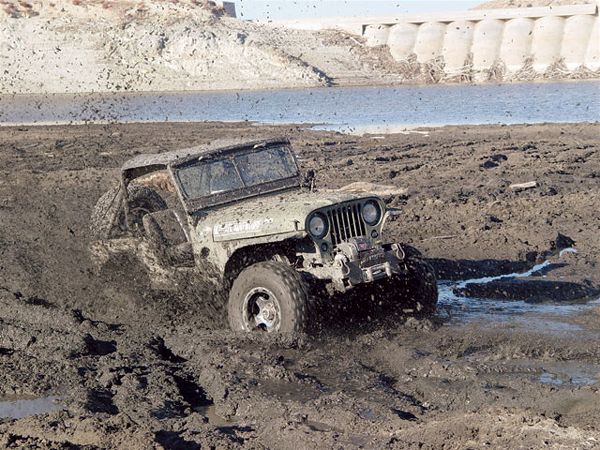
(270, 297)
(415, 291)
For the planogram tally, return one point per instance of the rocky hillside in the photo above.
(164, 46)
(112, 46)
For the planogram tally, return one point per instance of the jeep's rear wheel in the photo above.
(109, 212)
(104, 213)
(269, 297)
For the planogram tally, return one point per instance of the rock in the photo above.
(529, 146)
(517, 187)
(562, 242)
(489, 164)
(532, 256)
(499, 157)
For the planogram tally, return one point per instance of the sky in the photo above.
(294, 9)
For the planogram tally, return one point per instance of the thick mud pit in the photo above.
(104, 362)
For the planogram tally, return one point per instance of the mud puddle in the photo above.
(18, 408)
(570, 373)
(460, 302)
(213, 418)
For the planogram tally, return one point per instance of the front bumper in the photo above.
(352, 266)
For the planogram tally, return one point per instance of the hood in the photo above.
(284, 212)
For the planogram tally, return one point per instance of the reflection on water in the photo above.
(17, 408)
(372, 109)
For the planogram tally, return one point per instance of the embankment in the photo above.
(92, 46)
(64, 47)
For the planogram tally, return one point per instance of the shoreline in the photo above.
(296, 88)
(396, 129)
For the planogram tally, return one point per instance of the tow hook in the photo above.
(342, 261)
(399, 252)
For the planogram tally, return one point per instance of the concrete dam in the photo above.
(482, 45)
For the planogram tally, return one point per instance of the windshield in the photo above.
(205, 178)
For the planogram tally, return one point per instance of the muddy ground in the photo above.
(138, 369)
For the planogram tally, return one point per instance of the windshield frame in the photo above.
(194, 204)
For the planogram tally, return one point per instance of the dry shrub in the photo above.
(410, 69)
(527, 72)
(497, 72)
(583, 73)
(558, 69)
(432, 71)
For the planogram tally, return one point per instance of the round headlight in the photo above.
(371, 212)
(317, 226)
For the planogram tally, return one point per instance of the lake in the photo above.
(351, 109)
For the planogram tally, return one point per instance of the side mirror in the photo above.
(391, 214)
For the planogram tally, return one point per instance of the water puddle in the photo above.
(210, 412)
(18, 408)
(545, 316)
(560, 374)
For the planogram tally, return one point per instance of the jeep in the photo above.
(241, 215)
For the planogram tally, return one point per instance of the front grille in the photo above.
(346, 222)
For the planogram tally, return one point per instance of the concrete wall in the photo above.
(546, 42)
(486, 43)
(458, 39)
(480, 40)
(402, 39)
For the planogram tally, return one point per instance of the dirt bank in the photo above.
(88, 46)
(137, 369)
(93, 46)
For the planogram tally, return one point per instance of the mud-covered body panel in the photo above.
(264, 216)
(222, 231)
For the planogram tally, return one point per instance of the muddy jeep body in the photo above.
(245, 236)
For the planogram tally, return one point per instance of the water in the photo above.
(210, 412)
(566, 372)
(18, 408)
(364, 109)
(546, 317)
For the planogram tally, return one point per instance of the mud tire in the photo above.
(411, 252)
(108, 212)
(416, 291)
(284, 282)
(102, 218)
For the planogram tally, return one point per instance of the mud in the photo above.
(132, 368)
